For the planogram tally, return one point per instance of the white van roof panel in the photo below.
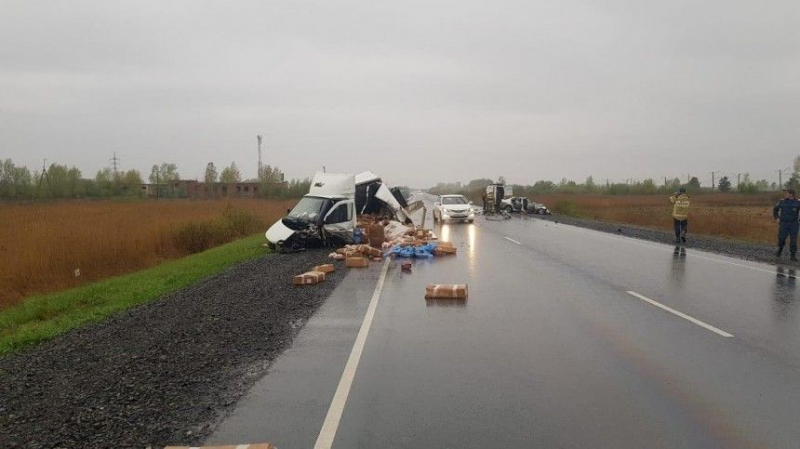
(333, 185)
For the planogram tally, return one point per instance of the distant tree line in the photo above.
(646, 187)
(60, 181)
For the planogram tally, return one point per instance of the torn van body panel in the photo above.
(373, 196)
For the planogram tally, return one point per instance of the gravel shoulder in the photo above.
(728, 247)
(164, 372)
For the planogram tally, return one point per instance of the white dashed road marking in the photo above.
(682, 315)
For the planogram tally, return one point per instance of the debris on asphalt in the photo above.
(417, 252)
(309, 278)
(406, 266)
(446, 291)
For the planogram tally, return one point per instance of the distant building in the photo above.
(202, 190)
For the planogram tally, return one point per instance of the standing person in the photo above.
(483, 197)
(680, 214)
(786, 213)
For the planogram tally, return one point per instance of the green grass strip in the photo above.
(42, 317)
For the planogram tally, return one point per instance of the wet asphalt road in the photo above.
(550, 350)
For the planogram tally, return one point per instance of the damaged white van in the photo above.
(326, 215)
(327, 212)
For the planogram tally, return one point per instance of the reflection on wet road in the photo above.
(551, 351)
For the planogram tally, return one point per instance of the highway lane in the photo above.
(551, 350)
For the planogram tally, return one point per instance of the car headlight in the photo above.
(445, 216)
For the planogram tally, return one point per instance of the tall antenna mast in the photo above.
(260, 138)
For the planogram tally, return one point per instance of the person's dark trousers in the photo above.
(788, 229)
(680, 227)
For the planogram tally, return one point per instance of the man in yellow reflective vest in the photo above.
(680, 214)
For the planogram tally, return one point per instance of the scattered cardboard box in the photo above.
(309, 278)
(444, 250)
(356, 262)
(325, 268)
(446, 291)
(369, 251)
(376, 234)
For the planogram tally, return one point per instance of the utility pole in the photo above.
(259, 138)
(738, 179)
(114, 161)
(780, 176)
(42, 177)
(713, 184)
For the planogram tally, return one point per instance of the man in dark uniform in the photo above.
(787, 214)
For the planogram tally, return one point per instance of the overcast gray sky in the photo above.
(417, 91)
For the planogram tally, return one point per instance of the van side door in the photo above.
(340, 221)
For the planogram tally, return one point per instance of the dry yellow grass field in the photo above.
(742, 217)
(43, 244)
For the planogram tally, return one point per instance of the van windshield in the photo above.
(309, 209)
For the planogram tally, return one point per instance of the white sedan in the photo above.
(453, 207)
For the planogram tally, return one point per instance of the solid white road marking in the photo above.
(331, 424)
(682, 315)
(512, 240)
(242, 446)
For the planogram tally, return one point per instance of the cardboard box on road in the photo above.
(446, 291)
(369, 251)
(310, 278)
(444, 250)
(326, 268)
(376, 234)
(356, 262)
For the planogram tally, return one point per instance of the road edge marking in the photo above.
(681, 314)
(512, 240)
(331, 424)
